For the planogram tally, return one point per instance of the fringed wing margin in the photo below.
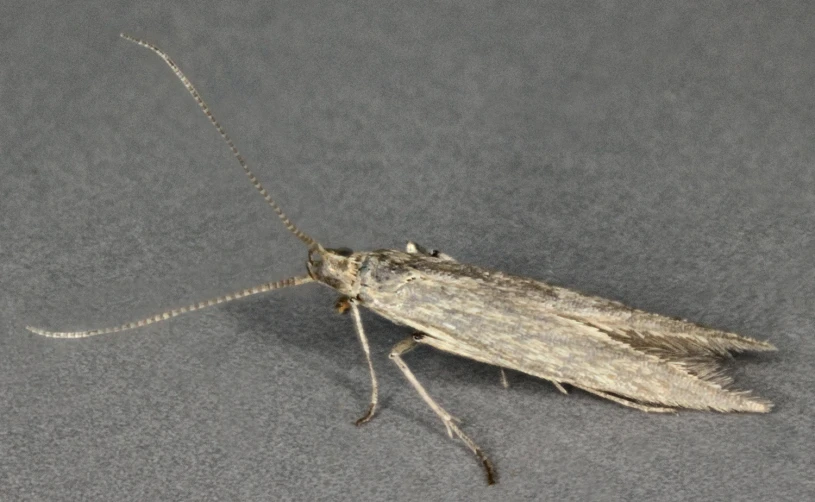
(701, 352)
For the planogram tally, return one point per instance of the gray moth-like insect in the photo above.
(638, 359)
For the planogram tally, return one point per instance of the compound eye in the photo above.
(345, 252)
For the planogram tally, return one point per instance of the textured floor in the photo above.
(661, 156)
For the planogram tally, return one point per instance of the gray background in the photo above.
(658, 155)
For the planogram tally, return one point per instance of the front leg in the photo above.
(344, 304)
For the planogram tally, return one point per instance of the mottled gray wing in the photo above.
(556, 333)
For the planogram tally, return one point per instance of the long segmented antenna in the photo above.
(269, 286)
(311, 243)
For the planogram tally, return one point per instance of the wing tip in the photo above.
(766, 346)
(756, 405)
(743, 343)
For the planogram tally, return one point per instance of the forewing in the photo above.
(558, 334)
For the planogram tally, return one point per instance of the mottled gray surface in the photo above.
(662, 156)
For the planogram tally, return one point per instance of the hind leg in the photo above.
(626, 402)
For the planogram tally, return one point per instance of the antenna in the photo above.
(311, 243)
(262, 288)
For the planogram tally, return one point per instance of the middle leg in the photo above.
(449, 420)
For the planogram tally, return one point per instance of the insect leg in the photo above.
(505, 383)
(504, 380)
(560, 388)
(626, 402)
(414, 248)
(364, 341)
(342, 305)
(449, 421)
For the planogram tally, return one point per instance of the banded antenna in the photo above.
(311, 243)
(269, 286)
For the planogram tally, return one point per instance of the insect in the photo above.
(638, 359)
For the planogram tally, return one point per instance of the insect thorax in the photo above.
(351, 273)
